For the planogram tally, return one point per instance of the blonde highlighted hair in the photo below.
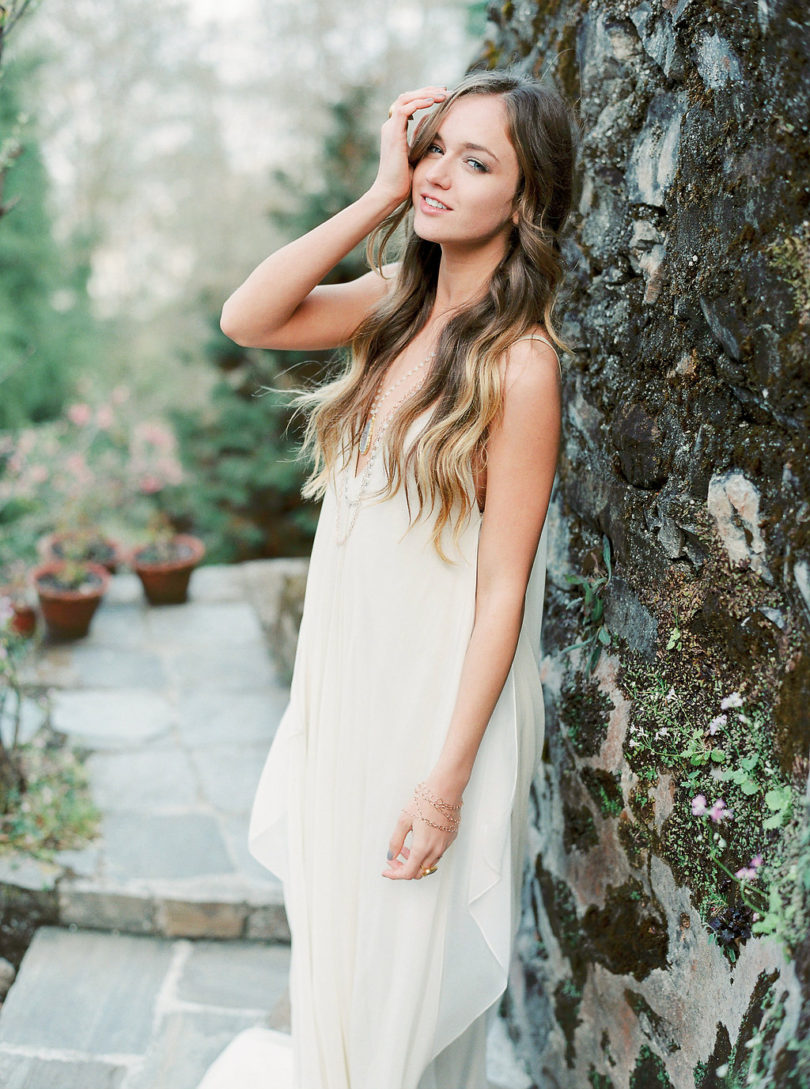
(465, 377)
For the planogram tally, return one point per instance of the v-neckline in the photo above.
(355, 476)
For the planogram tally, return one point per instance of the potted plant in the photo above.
(17, 590)
(165, 565)
(81, 543)
(69, 593)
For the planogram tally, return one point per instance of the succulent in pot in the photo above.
(165, 565)
(82, 543)
(69, 593)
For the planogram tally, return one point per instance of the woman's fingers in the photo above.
(421, 856)
(396, 845)
(424, 94)
(395, 173)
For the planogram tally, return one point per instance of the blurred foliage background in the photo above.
(151, 154)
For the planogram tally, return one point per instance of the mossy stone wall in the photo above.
(665, 916)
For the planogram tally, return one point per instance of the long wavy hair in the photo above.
(465, 376)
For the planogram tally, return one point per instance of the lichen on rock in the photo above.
(685, 444)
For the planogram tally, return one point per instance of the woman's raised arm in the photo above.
(282, 304)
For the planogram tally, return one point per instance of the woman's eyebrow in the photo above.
(470, 147)
(480, 147)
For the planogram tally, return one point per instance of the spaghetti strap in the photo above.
(537, 336)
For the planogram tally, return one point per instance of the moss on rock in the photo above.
(628, 910)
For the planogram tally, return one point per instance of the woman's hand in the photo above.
(433, 804)
(393, 179)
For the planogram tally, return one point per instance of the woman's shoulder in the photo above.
(526, 351)
(536, 333)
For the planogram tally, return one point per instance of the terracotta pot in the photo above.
(68, 613)
(24, 621)
(110, 555)
(166, 583)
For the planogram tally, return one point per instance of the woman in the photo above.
(416, 689)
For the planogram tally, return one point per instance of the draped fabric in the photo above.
(394, 983)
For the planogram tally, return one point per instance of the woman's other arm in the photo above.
(282, 303)
(522, 455)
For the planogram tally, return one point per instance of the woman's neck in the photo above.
(464, 274)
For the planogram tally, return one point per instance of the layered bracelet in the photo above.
(447, 809)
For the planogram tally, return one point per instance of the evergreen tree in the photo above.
(46, 333)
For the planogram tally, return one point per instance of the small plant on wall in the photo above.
(594, 629)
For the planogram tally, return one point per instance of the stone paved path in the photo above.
(94, 1010)
(178, 705)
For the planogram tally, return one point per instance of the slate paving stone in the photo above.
(210, 717)
(117, 667)
(229, 776)
(185, 1045)
(124, 589)
(82, 861)
(24, 872)
(186, 918)
(30, 1072)
(85, 902)
(238, 974)
(105, 719)
(148, 781)
(218, 582)
(52, 665)
(92, 992)
(222, 666)
(171, 846)
(32, 716)
(226, 622)
(120, 626)
(235, 831)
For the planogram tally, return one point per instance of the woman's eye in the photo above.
(434, 147)
(477, 165)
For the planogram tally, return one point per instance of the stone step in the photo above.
(93, 1010)
(175, 708)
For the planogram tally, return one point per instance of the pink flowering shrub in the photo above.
(99, 466)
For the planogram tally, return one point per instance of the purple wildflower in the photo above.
(717, 722)
(718, 811)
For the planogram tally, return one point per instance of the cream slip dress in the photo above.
(393, 984)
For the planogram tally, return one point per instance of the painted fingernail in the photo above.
(389, 856)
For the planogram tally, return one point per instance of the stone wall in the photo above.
(681, 524)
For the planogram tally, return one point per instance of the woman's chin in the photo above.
(428, 230)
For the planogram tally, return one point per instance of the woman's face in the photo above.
(464, 186)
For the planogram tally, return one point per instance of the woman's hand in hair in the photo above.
(394, 175)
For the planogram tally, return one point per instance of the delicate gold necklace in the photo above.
(368, 430)
(346, 506)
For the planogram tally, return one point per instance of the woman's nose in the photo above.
(437, 173)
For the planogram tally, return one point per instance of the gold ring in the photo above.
(425, 873)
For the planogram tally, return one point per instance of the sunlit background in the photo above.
(156, 152)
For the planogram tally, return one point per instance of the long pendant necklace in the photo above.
(352, 505)
(368, 430)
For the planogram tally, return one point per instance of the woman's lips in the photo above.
(431, 209)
